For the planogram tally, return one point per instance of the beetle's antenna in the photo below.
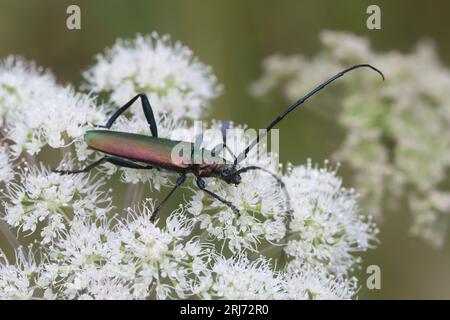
(262, 134)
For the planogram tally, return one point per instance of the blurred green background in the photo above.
(233, 37)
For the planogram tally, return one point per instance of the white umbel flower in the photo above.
(56, 116)
(124, 258)
(41, 195)
(240, 278)
(315, 283)
(327, 227)
(173, 79)
(261, 202)
(17, 280)
(20, 82)
(80, 261)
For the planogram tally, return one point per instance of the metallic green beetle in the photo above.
(151, 152)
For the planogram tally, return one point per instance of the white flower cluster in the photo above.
(6, 166)
(20, 82)
(173, 79)
(263, 205)
(88, 248)
(16, 280)
(398, 133)
(37, 112)
(240, 278)
(40, 195)
(307, 283)
(123, 258)
(326, 225)
(131, 258)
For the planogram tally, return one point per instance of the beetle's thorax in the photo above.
(225, 172)
(206, 170)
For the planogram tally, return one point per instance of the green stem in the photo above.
(10, 237)
(134, 194)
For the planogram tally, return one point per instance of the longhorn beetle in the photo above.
(151, 152)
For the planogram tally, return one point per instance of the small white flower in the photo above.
(80, 260)
(6, 169)
(261, 203)
(159, 254)
(17, 280)
(174, 80)
(326, 228)
(63, 120)
(43, 195)
(20, 82)
(124, 258)
(240, 278)
(308, 283)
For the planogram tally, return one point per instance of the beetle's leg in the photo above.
(116, 161)
(87, 169)
(146, 107)
(202, 186)
(126, 163)
(181, 179)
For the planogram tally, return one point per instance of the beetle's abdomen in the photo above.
(151, 150)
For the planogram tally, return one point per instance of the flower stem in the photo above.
(134, 194)
(10, 237)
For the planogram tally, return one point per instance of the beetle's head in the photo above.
(229, 174)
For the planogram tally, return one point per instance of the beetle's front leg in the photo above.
(201, 184)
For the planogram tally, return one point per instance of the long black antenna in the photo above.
(262, 134)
